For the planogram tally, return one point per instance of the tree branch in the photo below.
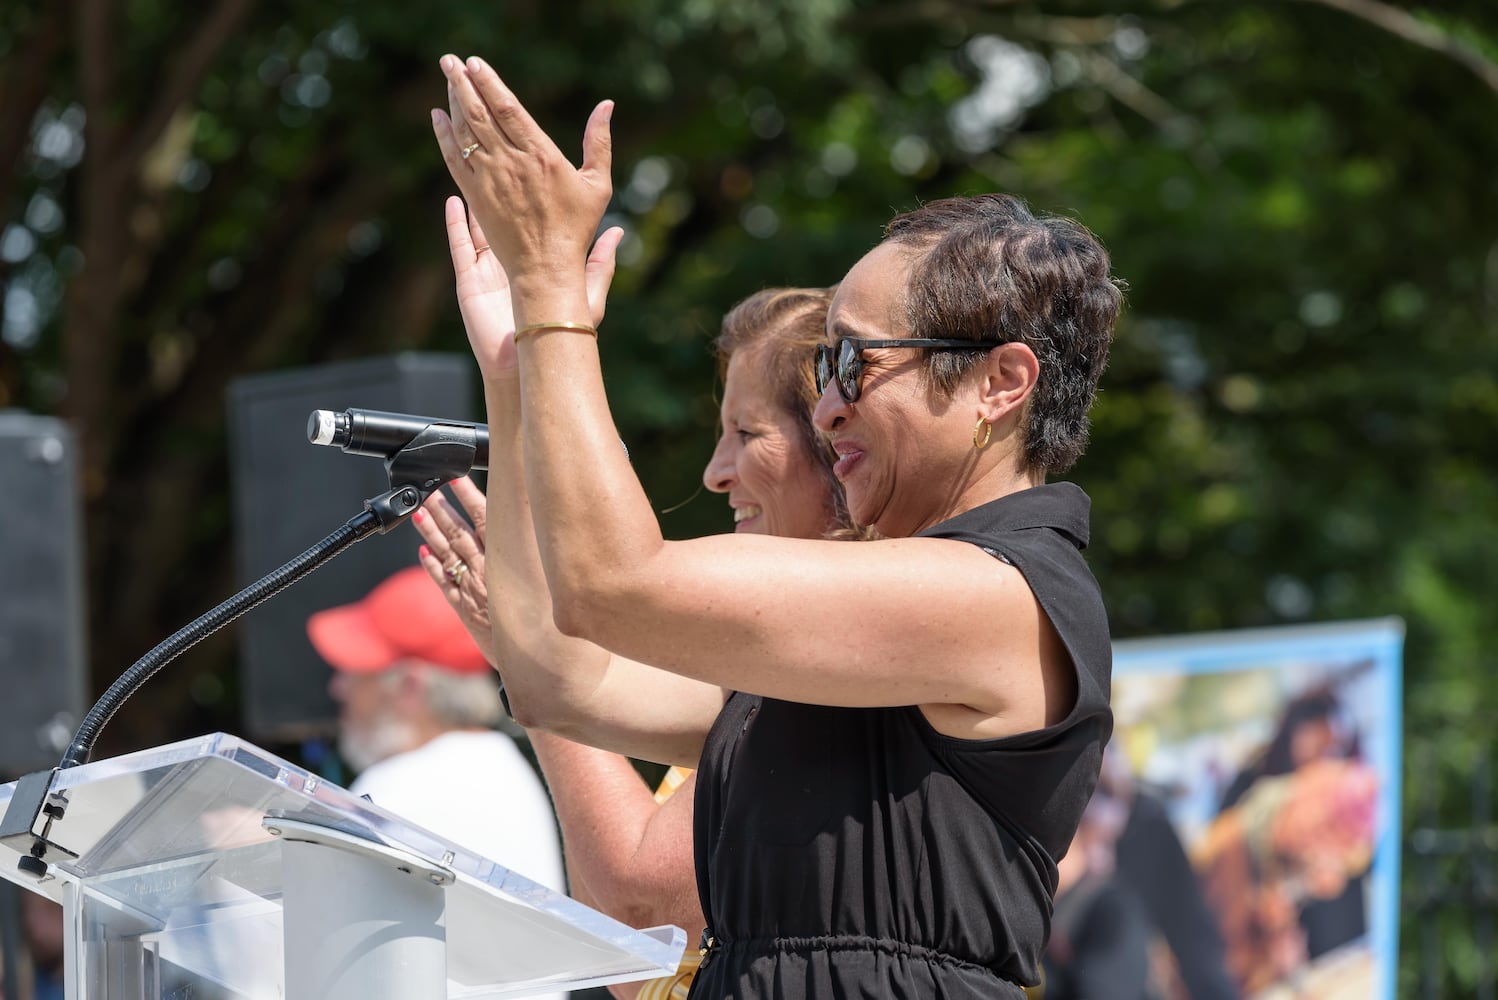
(1130, 92)
(187, 75)
(1423, 33)
(919, 12)
(93, 295)
(25, 83)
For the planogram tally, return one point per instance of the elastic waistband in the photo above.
(850, 942)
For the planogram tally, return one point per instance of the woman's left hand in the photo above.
(483, 294)
(453, 557)
(538, 211)
(484, 289)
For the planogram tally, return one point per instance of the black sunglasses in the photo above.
(849, 359)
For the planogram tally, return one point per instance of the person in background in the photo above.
(1154, 865)
(1128, 887)
(1310, 728)
(417, 709)
(629, 853)
(1311, 737)
(1100, 931)
(43, 928)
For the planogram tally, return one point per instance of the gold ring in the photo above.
(480, 249)
(455, 572)
(467, 150)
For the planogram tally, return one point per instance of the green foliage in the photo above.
(1298, 420)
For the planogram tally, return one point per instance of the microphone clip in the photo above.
(437, 455)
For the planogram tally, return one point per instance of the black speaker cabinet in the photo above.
(43, 666)
(289, 494)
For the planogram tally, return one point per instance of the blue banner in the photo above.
(1271, 758)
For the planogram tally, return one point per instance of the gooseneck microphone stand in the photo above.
(433, 457)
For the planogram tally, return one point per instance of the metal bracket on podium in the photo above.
(363, 919)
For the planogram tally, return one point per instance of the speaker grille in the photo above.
(289, 494)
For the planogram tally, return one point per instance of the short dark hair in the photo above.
(993, 271)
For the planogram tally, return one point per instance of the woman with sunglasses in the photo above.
(896, 739)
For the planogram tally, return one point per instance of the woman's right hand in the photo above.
(453, 557)
(484, 288)
(541, 212)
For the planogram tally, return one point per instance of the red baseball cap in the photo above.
(404, 618)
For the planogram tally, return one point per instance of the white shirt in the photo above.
(476, 789)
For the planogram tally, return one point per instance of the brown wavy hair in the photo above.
(786, 325)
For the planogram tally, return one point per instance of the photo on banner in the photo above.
(1275, 754)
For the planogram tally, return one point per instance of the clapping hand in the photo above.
(539, 212)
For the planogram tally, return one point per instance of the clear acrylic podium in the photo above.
(210, 869)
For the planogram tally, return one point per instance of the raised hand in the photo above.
(483, 293)
(539, 212)
(453, 557)
(484, 288)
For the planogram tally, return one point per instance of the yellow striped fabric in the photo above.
(674, 779)
(673, 987)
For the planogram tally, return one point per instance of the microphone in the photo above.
(380, 435)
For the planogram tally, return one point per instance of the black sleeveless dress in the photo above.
(852, 852)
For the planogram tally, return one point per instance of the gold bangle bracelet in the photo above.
(574, 327)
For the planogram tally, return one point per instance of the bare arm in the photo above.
(915, 621)
(569, 685)
(633, 854)
(626, 854)
(579, 892)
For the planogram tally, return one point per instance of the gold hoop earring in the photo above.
(987, 429)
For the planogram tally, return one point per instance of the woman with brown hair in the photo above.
(628, 851)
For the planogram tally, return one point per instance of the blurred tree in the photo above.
(1298, 423)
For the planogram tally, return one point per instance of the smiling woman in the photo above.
(896, 739)
(629, 853)
(771, 462)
